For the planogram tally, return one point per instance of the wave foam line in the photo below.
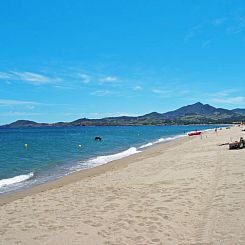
(105, 159)
(160, 141)
(15, 180)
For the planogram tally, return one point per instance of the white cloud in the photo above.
(230, 100)
(5, 102)
(30, 107)
(101, 93)
(7, 76)
(137, 88)
(237, 25)
(63, 87)
(18, 113)
(30, 77)
(33, 78)
(221, 94)
(162, 92)
(85, 78)
(230, 24)
(109, 79)
(193, 32)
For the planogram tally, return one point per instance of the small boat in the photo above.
(194, 133)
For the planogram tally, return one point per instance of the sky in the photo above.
(63, 60)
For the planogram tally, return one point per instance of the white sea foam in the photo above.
(161, 140)
(15, 180)
(164, 139)
(105, 159)
(146, 145)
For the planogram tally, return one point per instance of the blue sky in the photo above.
(62, 60)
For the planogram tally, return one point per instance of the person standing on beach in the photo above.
(216, 131)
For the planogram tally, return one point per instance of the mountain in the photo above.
(22, 123)
(238, 110)
(197, 113)
(152, 115)
(197, 108)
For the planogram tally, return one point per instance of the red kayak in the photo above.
(194, 133)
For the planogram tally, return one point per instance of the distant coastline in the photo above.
(52, 125)
(195, 114)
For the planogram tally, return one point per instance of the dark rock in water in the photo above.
(97, 138)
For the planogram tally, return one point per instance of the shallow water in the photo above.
(36, 155)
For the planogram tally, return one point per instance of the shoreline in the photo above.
(140, 148)
(90, 172)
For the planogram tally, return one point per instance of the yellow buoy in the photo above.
(26, 145)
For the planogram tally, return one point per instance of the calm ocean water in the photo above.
(55, 152)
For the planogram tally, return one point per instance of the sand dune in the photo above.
(189, 191)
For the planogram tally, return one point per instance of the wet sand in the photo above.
(188, 191)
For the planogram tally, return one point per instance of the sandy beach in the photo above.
(188, 191)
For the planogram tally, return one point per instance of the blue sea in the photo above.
(32, 156)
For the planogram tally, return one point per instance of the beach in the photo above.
(187, 191)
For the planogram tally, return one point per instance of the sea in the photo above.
(32, 156)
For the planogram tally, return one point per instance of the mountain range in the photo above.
(197, 113)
